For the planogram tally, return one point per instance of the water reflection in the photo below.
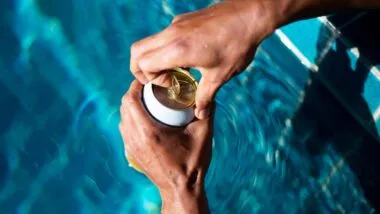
(64, 153)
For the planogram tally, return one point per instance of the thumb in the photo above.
(204, 97)
(163, 79)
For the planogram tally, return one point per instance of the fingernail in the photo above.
(203, 113)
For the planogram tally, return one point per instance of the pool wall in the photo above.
(346, 49)
(60, 101)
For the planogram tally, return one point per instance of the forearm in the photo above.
(185, 201)
(262, 17)
(287, 11)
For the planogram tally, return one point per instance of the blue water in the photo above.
(64, 65)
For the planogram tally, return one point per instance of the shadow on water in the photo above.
(90, 173)
(330, 121)
(7, 114)
(9, 110)
(4, 168)
(9, 50)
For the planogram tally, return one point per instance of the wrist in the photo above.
(261, 17)
(286, 11)
(277, 12)
(265, 16)
(184, 200)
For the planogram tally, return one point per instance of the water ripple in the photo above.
(259, 165)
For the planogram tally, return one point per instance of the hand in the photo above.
(174, 159)
(220, 41)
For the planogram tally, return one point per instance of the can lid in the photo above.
(172, 106)
(181, 94)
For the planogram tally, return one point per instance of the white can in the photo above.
(170, 111)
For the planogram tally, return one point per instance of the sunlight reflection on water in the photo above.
(78, 52)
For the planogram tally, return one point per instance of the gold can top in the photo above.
(181, 93)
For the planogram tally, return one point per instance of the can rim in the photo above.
(193, 81)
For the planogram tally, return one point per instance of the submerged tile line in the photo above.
(376, 114)
(325, 182)
(352, 20)
(324, 185)
(327, 23)
(329, 43)
(372, 68)
(289, 44)
(334, 169)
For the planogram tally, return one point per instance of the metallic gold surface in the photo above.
(181, 94)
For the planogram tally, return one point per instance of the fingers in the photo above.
(133, 95)
(132, 103)
(135, 90)
(150, 43)
(123, 133)
(136, 71)
(201, 131)
(204, 97)
(164, 80)
(133, 117)
(130, 149)
(183, 16)
(143, 46)
(204, 124)
(176, 54)
(154, 65)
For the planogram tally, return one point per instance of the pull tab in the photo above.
(175, 88)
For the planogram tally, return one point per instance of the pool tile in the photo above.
(305, 35)
(86, 152)
(363, 33)
(345, 59)
(352, 82)
(371, 94)
(343, 19)
(353, 75)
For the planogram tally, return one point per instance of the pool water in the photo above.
(64, 66)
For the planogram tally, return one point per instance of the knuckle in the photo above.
(151, 136)
(175, 28)
(203, 102)
(151, 76)
(131, 99)
(180, 47)
(128, 100)
(122, 112)
(128, 147)
(133, 70)
(135, 49)
(215, 79)
(123, 100)
(128, 151)
(178, 18)
(122, 131)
